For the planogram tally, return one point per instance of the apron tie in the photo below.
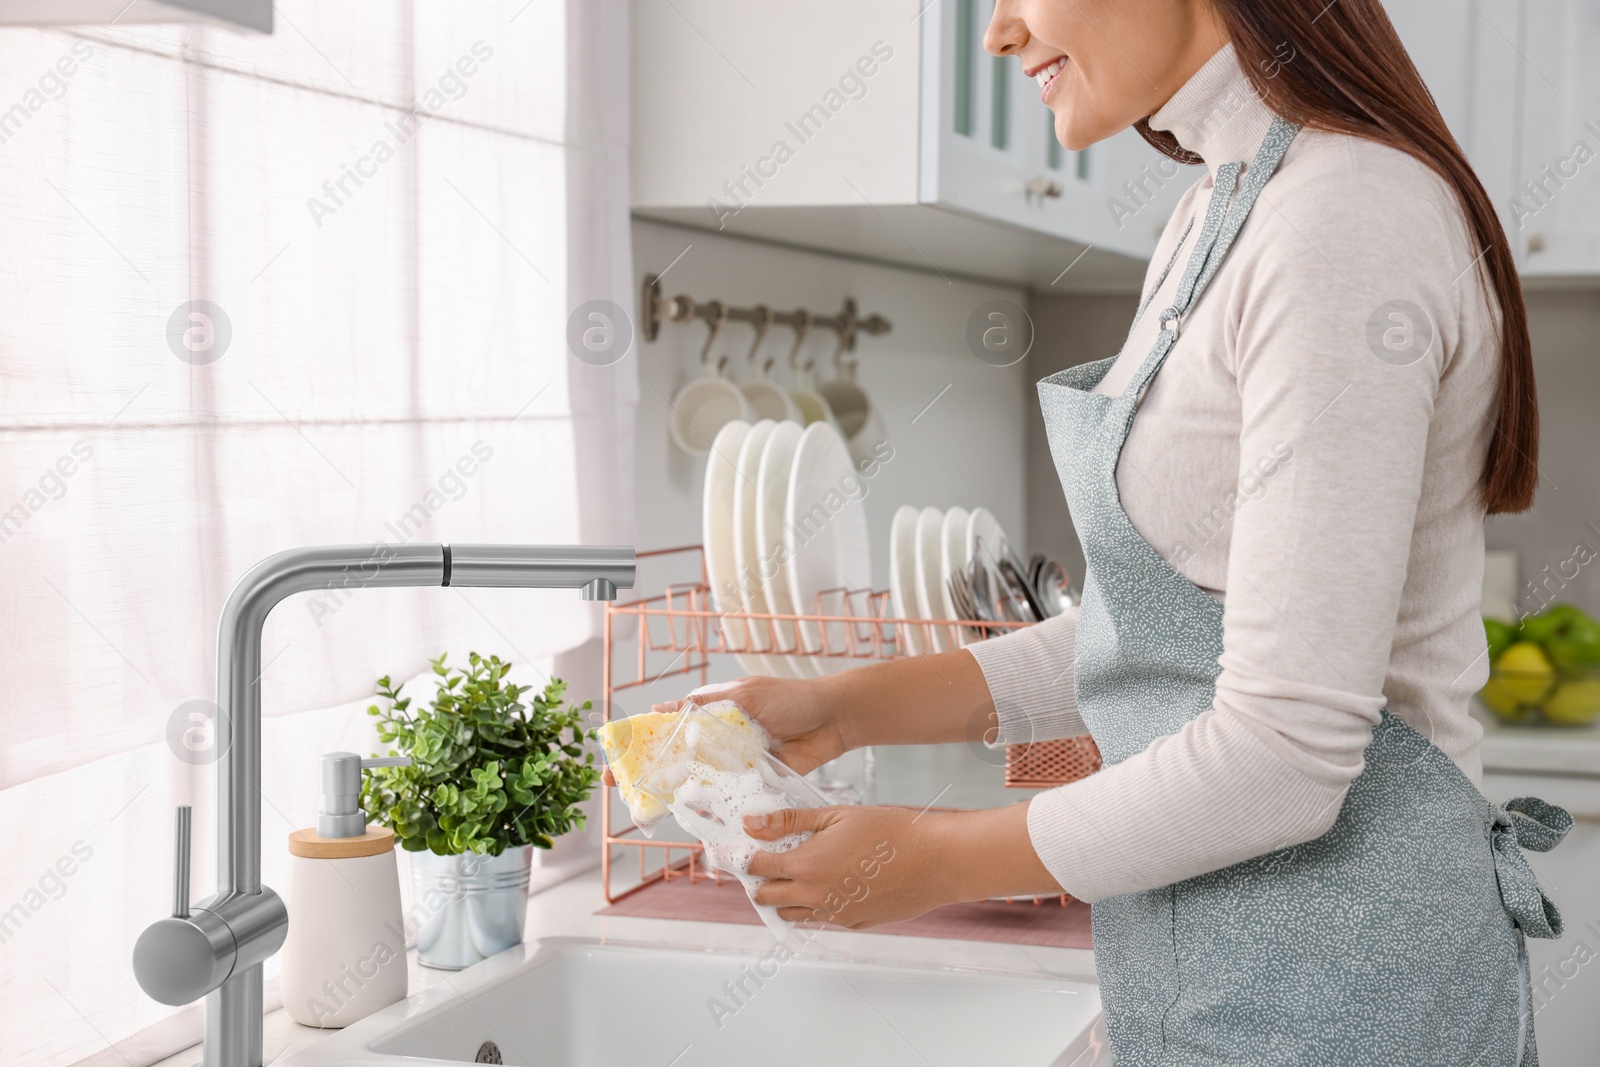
(1527, 822)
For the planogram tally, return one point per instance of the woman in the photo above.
(1329, 378)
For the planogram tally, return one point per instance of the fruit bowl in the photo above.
(1545, 668)
(1558, 697)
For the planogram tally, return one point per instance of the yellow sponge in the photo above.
(633, 745)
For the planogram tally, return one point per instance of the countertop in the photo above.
(1558, 750)
(912, 776)
(568, 909)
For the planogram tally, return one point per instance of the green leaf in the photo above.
(479, 747)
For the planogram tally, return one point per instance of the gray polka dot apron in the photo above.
(1397, 936)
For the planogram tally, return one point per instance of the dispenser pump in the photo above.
(341, 814)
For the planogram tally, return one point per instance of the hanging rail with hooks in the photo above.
(656, 309)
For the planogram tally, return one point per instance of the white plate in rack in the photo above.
(952, 556)
(772, 494)
(985, 537)
(914, 640)
(746, 595)
(830, 548)
(930, 543)
(747, 553)
(716, 529)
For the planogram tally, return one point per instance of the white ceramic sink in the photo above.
(582, 1002)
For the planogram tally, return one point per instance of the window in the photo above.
(267, 291)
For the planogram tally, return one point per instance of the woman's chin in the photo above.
(1077, 131)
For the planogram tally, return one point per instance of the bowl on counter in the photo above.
(1544, 668)
(1552, 697)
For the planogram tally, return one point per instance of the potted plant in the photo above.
(492, 777)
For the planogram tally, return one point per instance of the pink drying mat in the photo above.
(1019, 923)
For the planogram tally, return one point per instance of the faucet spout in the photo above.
(540, 567)
(217, 950)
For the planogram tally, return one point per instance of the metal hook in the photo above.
(801, 331)
(763, 323)
(847, 336)
(841, 369)
(719, 318)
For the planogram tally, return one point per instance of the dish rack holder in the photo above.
(681, 621)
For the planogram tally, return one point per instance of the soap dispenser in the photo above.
(345, 956)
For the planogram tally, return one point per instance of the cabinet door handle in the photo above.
(1043, 186)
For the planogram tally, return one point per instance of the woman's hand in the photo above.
(805, 721)
(861, 867)
(916, 700)
(866, 866)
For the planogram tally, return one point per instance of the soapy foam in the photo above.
(710, 776)
(712, 804)
(651, 759)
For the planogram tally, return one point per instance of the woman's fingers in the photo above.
(706, 694)
(776, 893)
(797, 915)
(607, 778)
(714, 691)
(769, 865)
(780, 824)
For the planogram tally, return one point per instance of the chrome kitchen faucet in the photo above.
(215, 948)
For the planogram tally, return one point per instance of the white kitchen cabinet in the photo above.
(236, 14)
(1467, 55)
(1556, 197)
(989, 148)
(883, 130)
(1518, 83)
(942, 157)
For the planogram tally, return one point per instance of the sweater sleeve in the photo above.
(1317, 557)
(1029, 674)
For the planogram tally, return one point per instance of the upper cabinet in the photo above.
(1554, 206)
(884, 130)
(1518, 82)
(990, 149)
(235, 14)
(1466, 54)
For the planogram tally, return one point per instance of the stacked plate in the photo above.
(785, 536)
(956, 565)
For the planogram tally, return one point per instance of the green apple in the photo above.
(1548, 623)
(1575, 645)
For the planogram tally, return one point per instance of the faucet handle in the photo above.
(385, 761)
(180, 864)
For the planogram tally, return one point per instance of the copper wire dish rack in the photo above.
(681, 625)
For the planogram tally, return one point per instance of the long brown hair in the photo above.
(1339, 66)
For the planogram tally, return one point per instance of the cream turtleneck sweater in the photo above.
(1309, 462)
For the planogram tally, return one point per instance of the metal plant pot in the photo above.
(468, 907)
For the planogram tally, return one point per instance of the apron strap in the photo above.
(1161, 279)
(1225, 217)
(1227, 180)
(1527, 823)
(1279, 136)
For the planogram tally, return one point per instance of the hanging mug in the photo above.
(708, 402)
(765, 397)
(854, 412)
(813, 407)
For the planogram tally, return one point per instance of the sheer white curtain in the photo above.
(258, 292)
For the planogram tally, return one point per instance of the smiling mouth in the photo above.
(1047, 74)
